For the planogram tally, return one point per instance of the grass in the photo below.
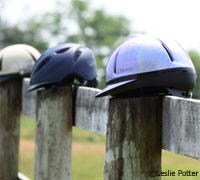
(174, 162)
(88, 155)
(86, 146)
(27, 128)
(27, 132)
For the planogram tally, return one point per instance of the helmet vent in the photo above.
(115, 63)
(46, 60)
(167, 50)
(61, 51)
(31, 54)
(77, 55)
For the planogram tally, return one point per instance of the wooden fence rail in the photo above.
(180, 118)
(136, 130)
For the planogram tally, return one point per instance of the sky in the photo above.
(176, 19)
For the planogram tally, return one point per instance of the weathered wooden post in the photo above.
(53, 144)
(133, 147)
(10, 110)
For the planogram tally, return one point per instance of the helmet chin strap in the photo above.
(180, 93)
(84, 83)
(92, 83)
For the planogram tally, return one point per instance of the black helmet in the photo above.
(64, 64)
(146, 65)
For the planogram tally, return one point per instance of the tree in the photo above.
(98, 30)
(94, 28)
(195, 57)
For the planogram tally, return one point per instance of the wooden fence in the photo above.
(136, 130)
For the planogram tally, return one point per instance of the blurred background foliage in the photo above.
(75, 21)
(195, 56)
(70, 22)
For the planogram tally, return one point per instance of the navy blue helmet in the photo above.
(64, 64)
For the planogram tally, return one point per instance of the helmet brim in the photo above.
(185, 80)
(5, 77)
(112, 87)
(37, 86)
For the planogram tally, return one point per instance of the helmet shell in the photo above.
(142, 55)
(18, 58)
(58, 64)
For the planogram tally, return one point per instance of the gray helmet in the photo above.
(17, 61)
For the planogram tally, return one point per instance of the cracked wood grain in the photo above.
(10, 110)
(133, 146)
(53, 146)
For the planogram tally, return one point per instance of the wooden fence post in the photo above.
(10, 110)
(133, 147)
(53, 144)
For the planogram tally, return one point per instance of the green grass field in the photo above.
(88, 155)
